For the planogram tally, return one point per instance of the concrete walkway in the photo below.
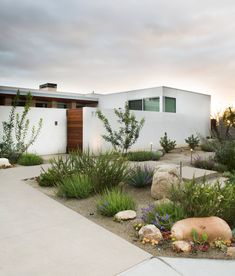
(39, 236)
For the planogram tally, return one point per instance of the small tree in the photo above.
(166, 143)
(228, 118)
(15, 131)
(128, 132)
(192, 141)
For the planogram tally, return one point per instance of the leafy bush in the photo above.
(209, 164)
(204, 199)
(113, 201)
(140, 176)
(167, 144)
(163, 216)
(143, 156)
(208, 145)
(76, 186)
(225, 154)
(30, 159)
(192, 141)
(105, 170)
(47, 178)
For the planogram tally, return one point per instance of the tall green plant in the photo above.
(128, 132)
(16, 129)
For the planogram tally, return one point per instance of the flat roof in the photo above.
(47, 93)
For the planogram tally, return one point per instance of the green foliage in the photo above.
(13, 146)
(199, 240)
(205, 199)
(225, 154)
(113, 201)
(47, 178)
(30, 159)
(163, 216)
(76, 186)
(143, 156)
(140, 176)
(208, 145)
(228, 118)
(128, 132)
(192, 141)
(167, 144)
(209, 164)
(105, 170)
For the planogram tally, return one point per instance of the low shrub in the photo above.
(163, 216)
(205, 199)
(30, 159)
(192, 141)
(140, 176)
(225, 154)
(208, 164)
(167, 144)
(76, 186)
(106, 170)
(113, 201)
(143, 156)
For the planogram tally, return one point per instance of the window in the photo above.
(62, 105)
(41, 104)
(169, 104)
(135, 105)
(151, 104)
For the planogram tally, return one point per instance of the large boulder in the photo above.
(214, 227)
(151, 232)
(4, 163)
(164, 177)
(125, 215)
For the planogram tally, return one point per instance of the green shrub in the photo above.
(208, 146)
(76, 186)
(30, 159)
(205, 199)
(143, 156)
(113, 201)
(209, 164)
(106, 170)
(163, 216)
(167, 144)
(192, 141)
(47, 178)
(225, 154)
(140, 176)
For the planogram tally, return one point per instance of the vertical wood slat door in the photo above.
(74, 129)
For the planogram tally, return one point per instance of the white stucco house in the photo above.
(70, 119)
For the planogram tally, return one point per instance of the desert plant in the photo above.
(128, 132)
(208, 164)
(225, 154)
(166, 143)
(30, 159)
(47, 178)
(143, 155)
(113, 201)
(204, 199)
(76, 186)
(13, 146)
(162, 215)
(140, 176)
(192, 141)
(228, 118)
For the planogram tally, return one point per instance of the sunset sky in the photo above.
(110, 46)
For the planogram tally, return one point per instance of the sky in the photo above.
(110, 46)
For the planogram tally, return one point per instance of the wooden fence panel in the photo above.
(74, 129)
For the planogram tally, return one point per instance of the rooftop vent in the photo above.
(48, 86)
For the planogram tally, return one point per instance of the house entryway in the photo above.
(74, 129)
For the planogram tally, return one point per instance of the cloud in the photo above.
(119, 45)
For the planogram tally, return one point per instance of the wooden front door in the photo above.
(74, 129)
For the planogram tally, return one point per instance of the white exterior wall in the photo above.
(177, 126)
(52, 139)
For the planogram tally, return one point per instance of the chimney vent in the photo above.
(48, 86)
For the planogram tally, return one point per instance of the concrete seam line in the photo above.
(169, 266)
(144, 261)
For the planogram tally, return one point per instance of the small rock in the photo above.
(231, 252)
(214, 227)
(125, 215)
(4, 163)
(151, 232)
(182, 246)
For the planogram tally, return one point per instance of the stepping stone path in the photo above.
(189, 172)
